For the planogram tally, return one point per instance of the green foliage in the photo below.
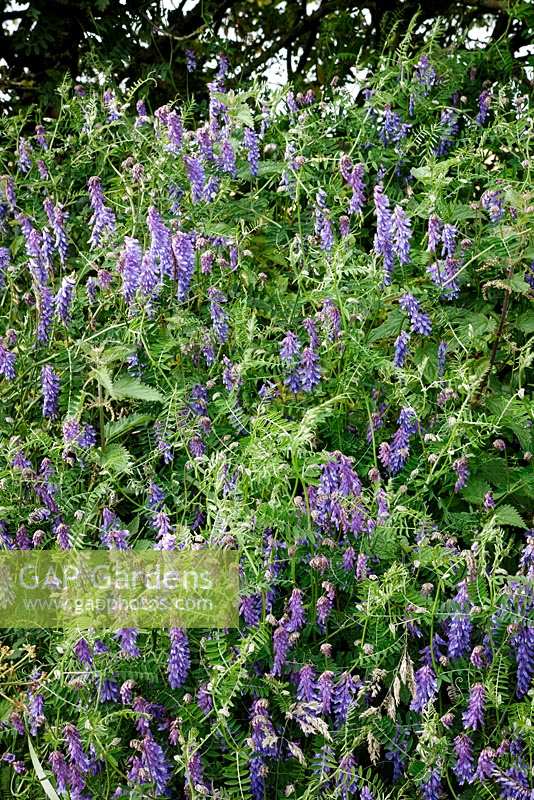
(245, 459)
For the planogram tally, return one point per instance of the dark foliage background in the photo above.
(315, 40)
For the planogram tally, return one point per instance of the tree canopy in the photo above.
(315, 41)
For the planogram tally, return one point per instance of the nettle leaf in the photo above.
(525, 322)
(475, 490)
(390, 327)
(133, 388)
(116, 352)
(120, 426)
(508, 515)
(518, 284)
(116, 459)
(103, 376)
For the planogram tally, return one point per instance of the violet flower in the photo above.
(281, 647)
(431, 787)
(460, 625)
(461, 467)
(401, 349)
(103, 218)
(383, 240)
(473, 718)
(448, 237)
(435, 226)
(184, 253)
(77, 756)
(155, 763)
(484, 105)
(50, 389)
(7, 362)
(160, 243)
(306, 689)
(402, 233)
(426, 688)
(179, 658)
(64, 298)
(251, 142)
(175, 132)
(290, 348)
(24, 154)
(522, 643)
(219, 317)
(309, 370)
(419, 321)
(485, 765)
(61, 770)
(128, 642)
(258, 772)
(190, 60)
(40, 137)
(196, 176)
(463, 768)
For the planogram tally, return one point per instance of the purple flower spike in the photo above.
(184, 253)
(460, 625)
(7, 362)
(383, 241)
(307, 689)
(250, 609)
(290, 348)
(179, 658)
(160, 243)
(448, 237)
(24, 153)
(155, 764)
(523, 648)
(297, 614)
(103, 218)
(61, 242)
(401, 349)
(402, 233)
(258, 771)
(251, 142)
(5, 260)
(461, 467)
(435, 226)
(420, 322)
(175, 132)
(309, 370)
(63, 300)
(281, 646)
(190, 60)
(40, 137)
(323, 226)
(463, 768)
(83, 653)
(473, 718)
(197, 177)
(485, 765)
(60, 769)
(219, 317)
(50, 388)
(484, 105)
(77, 756)
(130, 267)
(128, 642)
(431, 788)
(426, 688)
(142, 116)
